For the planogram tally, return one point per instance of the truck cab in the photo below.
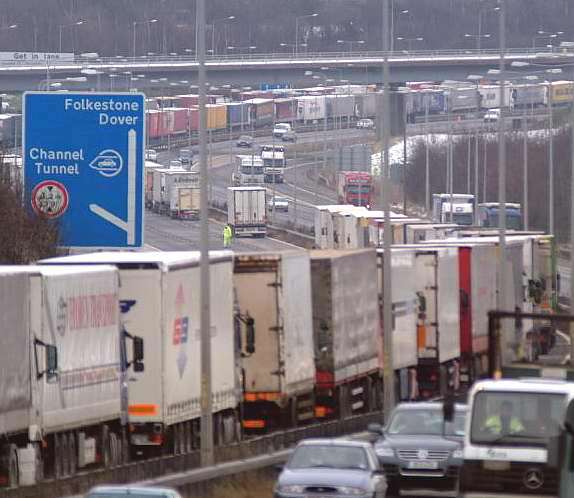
(488, 215)
(511, 426)
(462, 214)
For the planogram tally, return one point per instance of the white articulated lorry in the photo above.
(165, 181)
(60, 372)
(438, 325)
(405, 307)
(346, 330)
(273, 293)
(246, 211)
(160, 300)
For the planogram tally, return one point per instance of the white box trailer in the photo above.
(60, 409)
(417, 232)
(185, 202)
(246, 211)
(513, 285)
(323, 223)
(346, 331)
(405, 305)
(160, 299)
(274, 290)
(477, 276)
(345, 232)
(165, 180)
(311, 107)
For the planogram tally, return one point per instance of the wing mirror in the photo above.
(375, 428)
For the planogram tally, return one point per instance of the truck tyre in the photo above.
(58, 470)
(188, 436)
(12, 466)
(114, 450)
(64, 455)
(105, 446)
(39, 462)
(73, 454)
(125, 447)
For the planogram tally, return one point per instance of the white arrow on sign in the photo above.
(128, 226)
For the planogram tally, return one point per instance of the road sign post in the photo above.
(83, 162)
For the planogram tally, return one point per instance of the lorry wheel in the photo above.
(187, 437)
(105, 446)
(73, 454)
(39, 462)
(64, 455)
(114, 453)
(12, 464)
(58, 471)
(125, 447)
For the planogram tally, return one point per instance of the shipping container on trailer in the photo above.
(153, 123)
(366, 105)
(405, 310)
(216, 116)
(149, 168)
(377, 229)
(167, 179)
(151, 104)
(273, 291)
(160, 300)
(528, 95)
(561, 92)
(260, 111)
(168, 101)
(339, 106)
(311, 108)
(60, 408)
(246, 211)
(490, 96)
(346, 332)
(180, 117)
(237, 114)
(286, 109)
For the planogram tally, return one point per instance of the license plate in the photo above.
(423, 465)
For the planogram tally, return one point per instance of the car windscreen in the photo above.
(425, 421)
(279, 199)
(328, 456)
(516, 418)
(462, 218)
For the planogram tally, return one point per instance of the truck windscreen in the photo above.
(515, 419)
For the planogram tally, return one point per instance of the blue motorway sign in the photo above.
(83, 165)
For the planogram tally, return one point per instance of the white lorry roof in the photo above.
(53, 270)
(241, 189)
(164, 259)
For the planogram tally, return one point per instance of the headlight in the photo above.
(292, 488)
(385, 451)
(348, 490)
(457, 454)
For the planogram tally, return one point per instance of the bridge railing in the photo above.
(355, 56)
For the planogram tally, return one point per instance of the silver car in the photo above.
(418, 451)
(333, 468)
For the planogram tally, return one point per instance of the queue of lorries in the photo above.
(103, 360)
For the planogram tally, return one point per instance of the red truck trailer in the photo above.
(355, 187)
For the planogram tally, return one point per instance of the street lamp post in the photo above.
(134, 26)
(297, 30)
(480, 12)
(350, 42)
(551, 72)
(62, 26)
(213, 23)
(545, 35)
(476, 78)
(410, 41)
(478, 37)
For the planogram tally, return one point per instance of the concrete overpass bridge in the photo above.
(254, 69)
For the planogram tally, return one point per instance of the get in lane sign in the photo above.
(83, 162)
